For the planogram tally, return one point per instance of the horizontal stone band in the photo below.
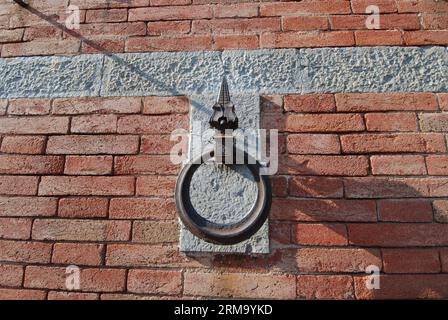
(276, 71)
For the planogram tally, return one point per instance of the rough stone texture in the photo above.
(363, 69)
(212, 186)
(51, 76)
(378, 69)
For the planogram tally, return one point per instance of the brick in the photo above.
(98, 4)
(411, 261)
(307, 39)
(15, 229)
(26, 18)
(389, 21)
(170, 13)
(61, 295)
(21, 294)
(27, 164)
(117, 186)
(41, 48)
(102, 280)
(83, 207)
(272, 103)
(180, 43)
(110, 15)
(88, 254)
(152, 124)
(434, 122)
(324, 123)
(100, 45)
(316, 187)
(385, 6)
(310, 103)
(11, 275)
(155, 231)
(444, 260)
(29, 106)
(309, 7)
(305, 23)
(393, 143)
(147, 255)
(159, 186)
(391, 121)
(441, 210)
(161, 144)
(91, 105)
(94, 124)
(221, 42)
(337, 260)
(88, 165)
(81, 230)
(420, 38)
(443, 101)
(398, 165)
(155, 281)
(23, 144)
(358, 102)
(21, 251)
(34, 125)
(123, 29)
(158, 28)
(236, 26)
(20, 186)
(323, 210)
(404, 286)
(239, 10)
(142, 208)
(165, 105)
(313, 144)
(409, 210)
(279, 186)
(145, 164)
(324, 287)
(437, 165)
(93, 144)
(280, 233)
(379, 187)
(238, 285)
(422, 6)
(378, 37)
(27, 206)
(435, 21)
(11, 35)
(320, 234)
(42, 32)
(398, 234)
(437, 187)
(324, 165)
(169, 2)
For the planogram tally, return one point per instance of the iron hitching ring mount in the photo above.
(223, 119)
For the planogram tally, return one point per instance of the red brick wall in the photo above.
(88, 182)
(176, 25)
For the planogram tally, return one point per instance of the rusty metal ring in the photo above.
(224, 234)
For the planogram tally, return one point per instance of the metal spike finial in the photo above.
(224, 116)
(224, 94)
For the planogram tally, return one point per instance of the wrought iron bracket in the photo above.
(223, 120)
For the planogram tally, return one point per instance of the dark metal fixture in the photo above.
(223, 119)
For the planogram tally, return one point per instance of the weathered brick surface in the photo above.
(240, 285)
(144, 25)
(88, 181)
